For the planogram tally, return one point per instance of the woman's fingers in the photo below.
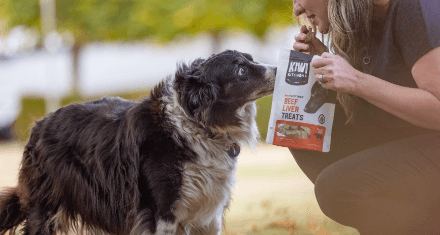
(320, 62)
(327, 55)
(321, 67)
(301, 40)
(298, 46)
(325, 77)
(301, 37)
(306, 41)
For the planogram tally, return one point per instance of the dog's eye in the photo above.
(241, 71)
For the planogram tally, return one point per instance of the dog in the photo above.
(164, 165)
(319, 96)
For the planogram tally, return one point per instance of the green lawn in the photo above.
(271, 196)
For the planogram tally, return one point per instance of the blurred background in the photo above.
(55, 52)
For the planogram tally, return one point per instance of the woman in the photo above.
(382, 174)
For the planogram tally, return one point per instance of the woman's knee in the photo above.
(330, 194)
(311, 162)
(340, 192)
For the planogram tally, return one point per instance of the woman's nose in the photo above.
(297, 8)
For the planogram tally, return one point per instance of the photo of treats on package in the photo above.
(295, 131)
(302, 110)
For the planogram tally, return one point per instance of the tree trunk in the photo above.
(76, 50)
(216, 44)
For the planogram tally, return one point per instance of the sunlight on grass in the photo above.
(272, 195)
(279, 221)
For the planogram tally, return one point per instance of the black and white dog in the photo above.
(164, 165)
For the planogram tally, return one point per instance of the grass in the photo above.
(271, 197)
(289, 226)
(283, 221)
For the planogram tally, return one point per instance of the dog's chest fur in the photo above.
(207, 182)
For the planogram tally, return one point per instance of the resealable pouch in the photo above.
(302, 110)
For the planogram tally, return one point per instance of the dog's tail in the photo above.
(11, 214)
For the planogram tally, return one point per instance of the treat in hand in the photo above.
(307, 42)
(309, 34)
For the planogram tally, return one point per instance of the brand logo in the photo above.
(298, 73)
(298, 67)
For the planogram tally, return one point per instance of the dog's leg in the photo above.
(166, 228)
(38, 223)
(143, 223)
(214, 228)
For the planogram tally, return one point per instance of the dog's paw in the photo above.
(166, 228)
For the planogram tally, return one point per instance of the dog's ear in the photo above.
(195, 93)
(198, 98)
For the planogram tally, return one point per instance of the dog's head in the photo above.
(211, 91)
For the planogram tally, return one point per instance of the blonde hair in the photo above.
(349, 31)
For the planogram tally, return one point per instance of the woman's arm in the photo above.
(419, 106)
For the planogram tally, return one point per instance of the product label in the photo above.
(298, 69)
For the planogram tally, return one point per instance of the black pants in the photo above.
(392, 188)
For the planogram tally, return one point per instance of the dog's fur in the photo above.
(160, 166)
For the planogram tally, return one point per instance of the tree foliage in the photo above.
(98, 20)
(163, 20)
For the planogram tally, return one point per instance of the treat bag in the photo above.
(302, 110)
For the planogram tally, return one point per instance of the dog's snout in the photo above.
(271, 71)
(274, 70)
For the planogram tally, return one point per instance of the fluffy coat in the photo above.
(164, 165)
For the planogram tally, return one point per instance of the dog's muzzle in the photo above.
(271, 71)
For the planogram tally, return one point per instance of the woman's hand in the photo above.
(313, 47)
(419, 106)
(337, 74)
